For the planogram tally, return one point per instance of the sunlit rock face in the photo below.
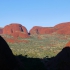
(61, 28)
(16, 30)
(41, 30)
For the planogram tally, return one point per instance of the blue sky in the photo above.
(31, 13)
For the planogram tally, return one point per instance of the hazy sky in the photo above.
(31, 13)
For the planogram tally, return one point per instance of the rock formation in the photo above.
(16, 30)
(41, 30)
(62, 28)
(7, 60)
(61, 61)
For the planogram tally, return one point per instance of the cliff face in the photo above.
(16, 30)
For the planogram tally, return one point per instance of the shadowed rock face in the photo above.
(61, 61)
(7, 60)
(16, 30)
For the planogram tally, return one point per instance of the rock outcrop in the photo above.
(7, 60)
(16, 30)
(62, 28)
(41, 30)
(61, 61)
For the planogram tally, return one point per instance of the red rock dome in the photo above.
(62, 28)
(16, 30)
(41, 30)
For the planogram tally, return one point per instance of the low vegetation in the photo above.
(39, 51)
(46, 45)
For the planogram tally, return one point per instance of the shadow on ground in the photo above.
(60, 62)
(31, 63)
